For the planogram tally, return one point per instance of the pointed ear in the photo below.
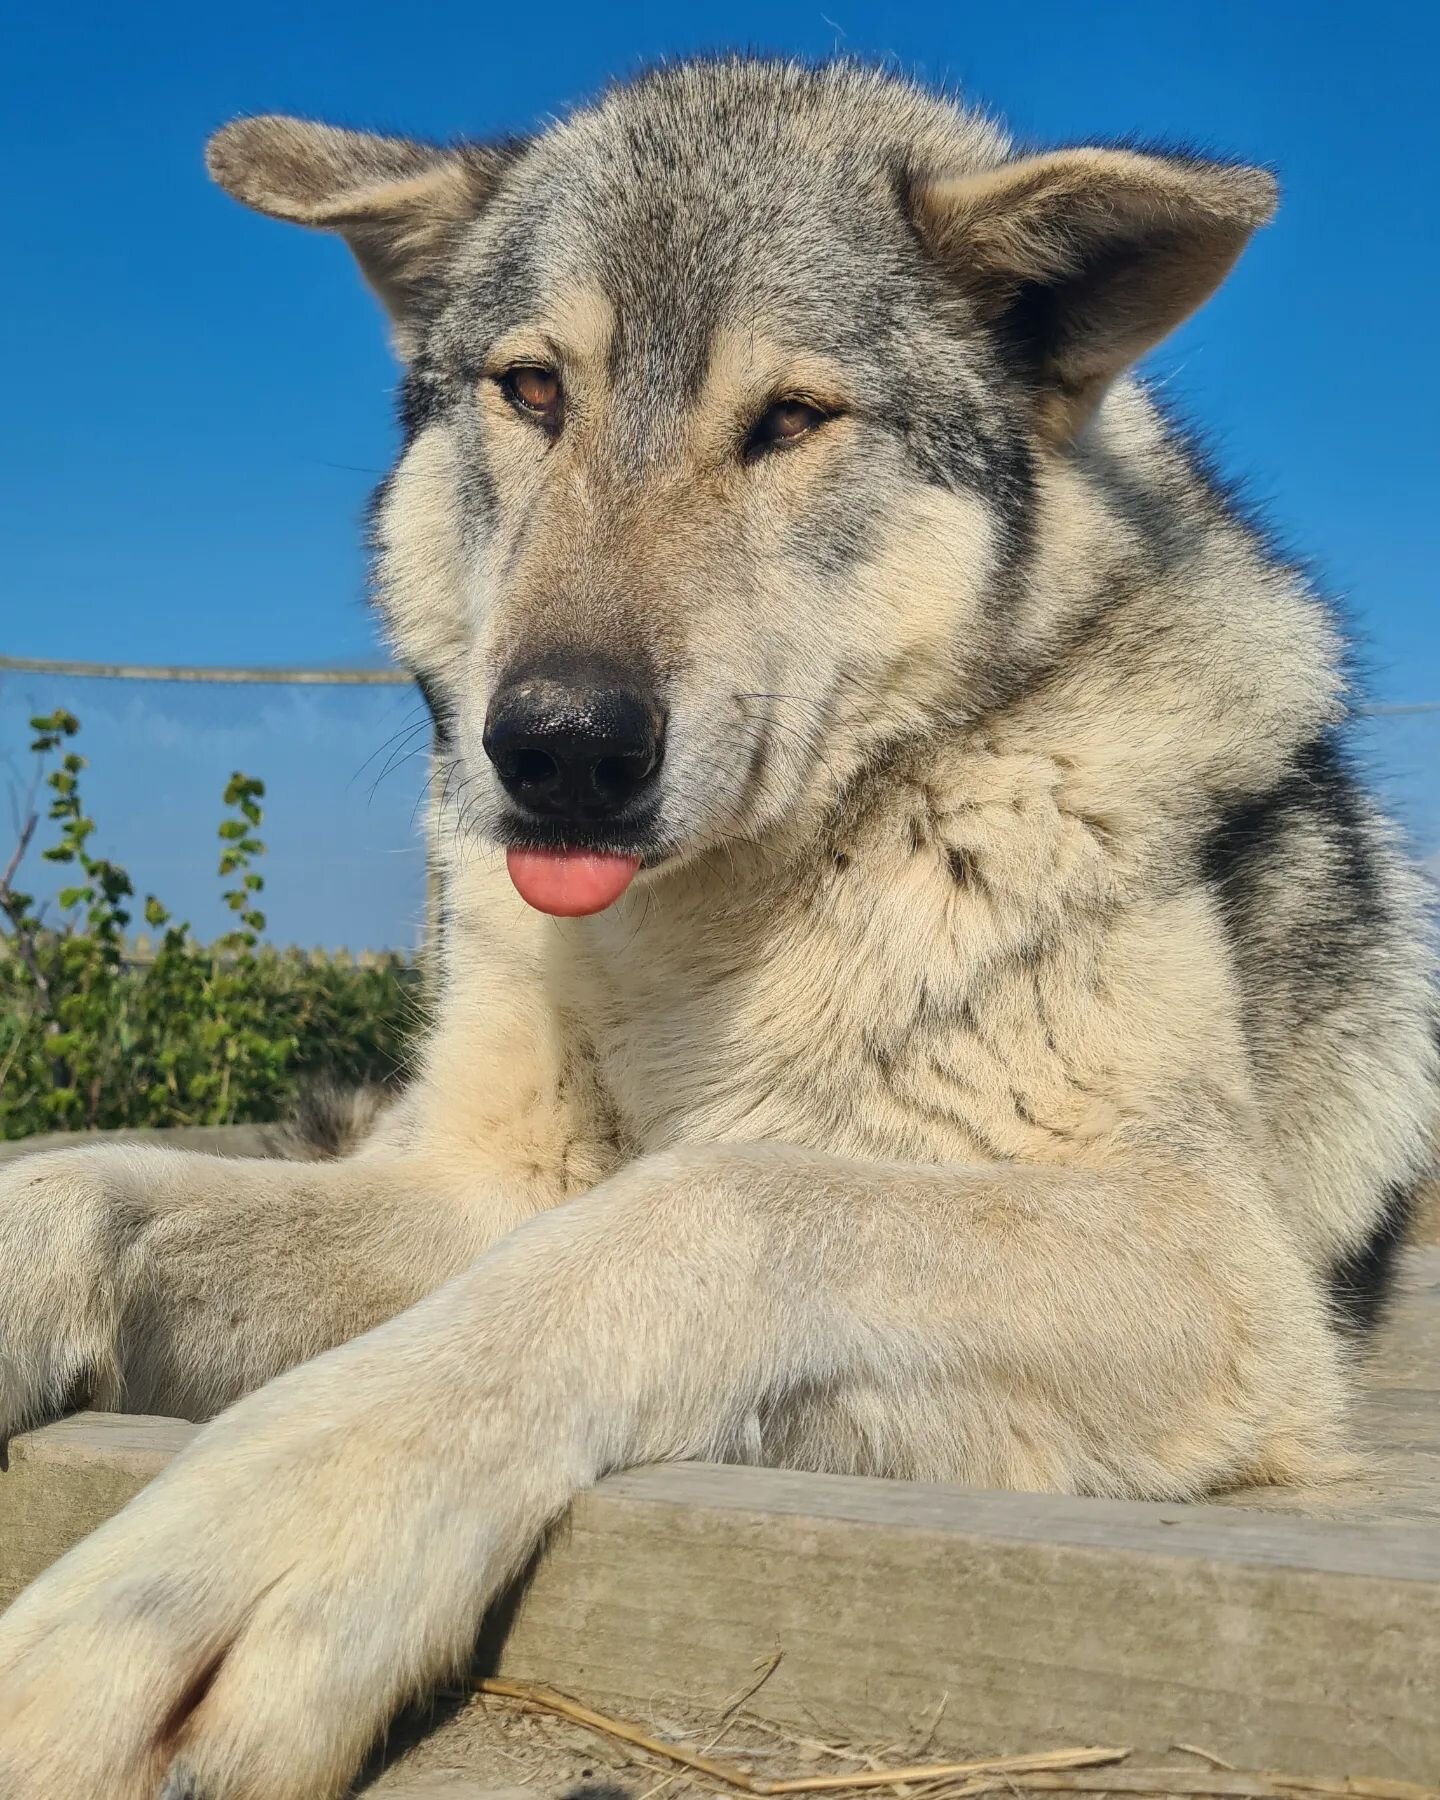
(1087, 258)
(400, 205)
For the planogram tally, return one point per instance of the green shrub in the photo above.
(93, 1035)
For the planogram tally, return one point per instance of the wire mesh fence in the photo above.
(344, 755)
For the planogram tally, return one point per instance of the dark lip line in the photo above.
(638, 840)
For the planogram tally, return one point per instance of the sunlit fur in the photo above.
(1012, 1061)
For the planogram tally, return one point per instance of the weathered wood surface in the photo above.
(61, 1483)
(1427, 1221)
(443, 1786)
(1280, 1641)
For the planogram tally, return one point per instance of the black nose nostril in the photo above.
(617, 775)
(567, 749)
(530, 766)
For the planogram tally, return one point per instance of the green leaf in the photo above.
(198, 1033)
(59, 721)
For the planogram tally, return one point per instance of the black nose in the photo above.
(567, 747)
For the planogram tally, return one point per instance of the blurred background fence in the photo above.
(344, 755)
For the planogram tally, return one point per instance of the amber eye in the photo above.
(783, 424)
(534, 391)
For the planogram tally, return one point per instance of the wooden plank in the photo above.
(60, 1483)
(1282, 1642)
(1407, 1352)
(1279, 1642)
(1427, 1213)
(452, 1787)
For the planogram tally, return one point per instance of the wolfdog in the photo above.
(920, 992)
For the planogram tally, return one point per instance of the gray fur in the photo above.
(1011, 1061)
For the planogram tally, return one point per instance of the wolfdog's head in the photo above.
(725, 406)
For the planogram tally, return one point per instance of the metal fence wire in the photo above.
(345, 755)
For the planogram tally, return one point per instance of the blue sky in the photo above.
(199, 400)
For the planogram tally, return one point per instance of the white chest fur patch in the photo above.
(966, 969)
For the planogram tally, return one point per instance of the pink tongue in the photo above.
(570, 883)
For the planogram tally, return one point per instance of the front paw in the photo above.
(250, 1623)
(67, 1246)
